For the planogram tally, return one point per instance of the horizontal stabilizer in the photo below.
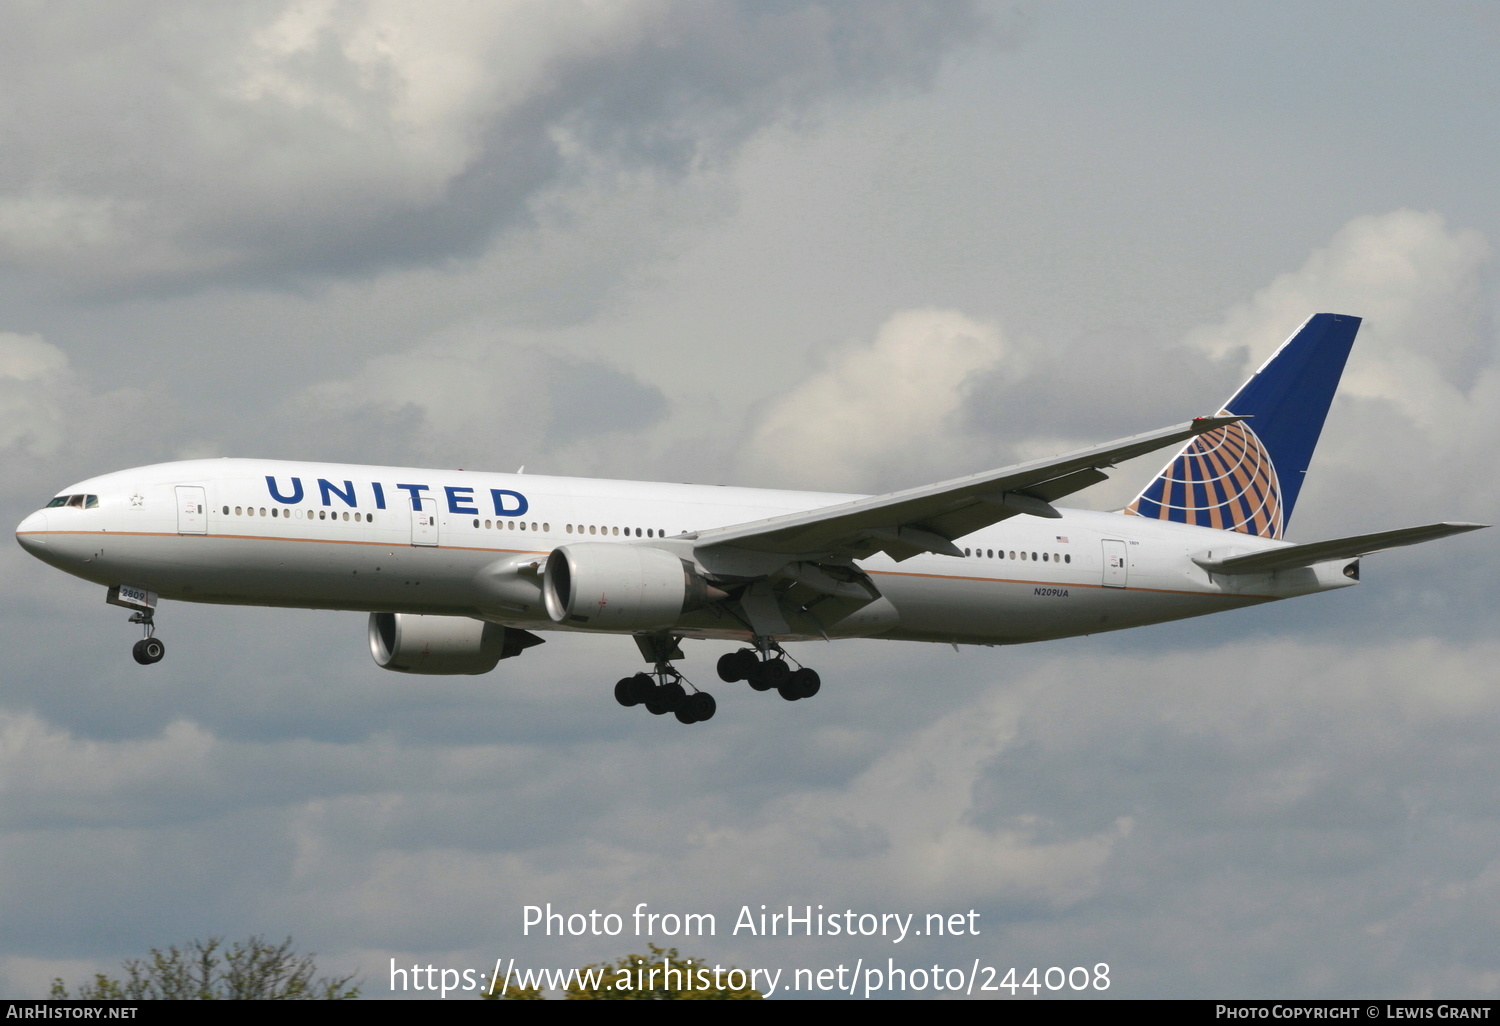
(1289, 557)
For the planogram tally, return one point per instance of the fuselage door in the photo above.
(1116, 565)
(192, 506)
(424, 523)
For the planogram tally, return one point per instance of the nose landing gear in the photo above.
(142, 604)
(149, 649)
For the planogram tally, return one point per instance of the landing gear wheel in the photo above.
(625, 692)
(775, 672)
(805, 682)
(672, 695)
(757, 677)
(148, 651)
(739, 665)
(697, 708)
(702, 706)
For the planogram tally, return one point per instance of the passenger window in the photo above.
(226, 511)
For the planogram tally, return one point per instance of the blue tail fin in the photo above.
(1245, 477)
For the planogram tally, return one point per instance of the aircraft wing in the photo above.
(927, 519)
(1290, 557)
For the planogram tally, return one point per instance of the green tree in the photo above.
(254, 970)
(662, 975)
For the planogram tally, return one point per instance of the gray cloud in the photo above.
(176, 144)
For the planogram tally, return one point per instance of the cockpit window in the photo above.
(76, 501)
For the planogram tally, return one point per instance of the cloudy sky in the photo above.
(811, 244)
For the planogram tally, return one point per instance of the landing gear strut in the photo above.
(662, 690)
(766, 667)
(149, 649)
(142, 605)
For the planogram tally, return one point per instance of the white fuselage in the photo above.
(308, 535)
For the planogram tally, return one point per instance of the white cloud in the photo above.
(1416, 414)
(879, 410)
(54, 427)
(1416, 283)
(35, 383)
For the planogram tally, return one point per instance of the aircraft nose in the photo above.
(32, 533)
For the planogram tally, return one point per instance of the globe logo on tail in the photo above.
(1222, 479)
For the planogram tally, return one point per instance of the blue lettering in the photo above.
(296, 495)
(415, 491)
(329, 488)
(501, 510)
(379, 495)
(455, 495)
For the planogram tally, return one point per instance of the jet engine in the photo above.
(414, 643)
(621, 587)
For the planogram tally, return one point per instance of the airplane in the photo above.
(458, 570)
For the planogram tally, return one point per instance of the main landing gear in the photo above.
(149, 649)
(662, 690)
(767, 668)
(663, 693)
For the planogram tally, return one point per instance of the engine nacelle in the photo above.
(621, 587)
(413, 643)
